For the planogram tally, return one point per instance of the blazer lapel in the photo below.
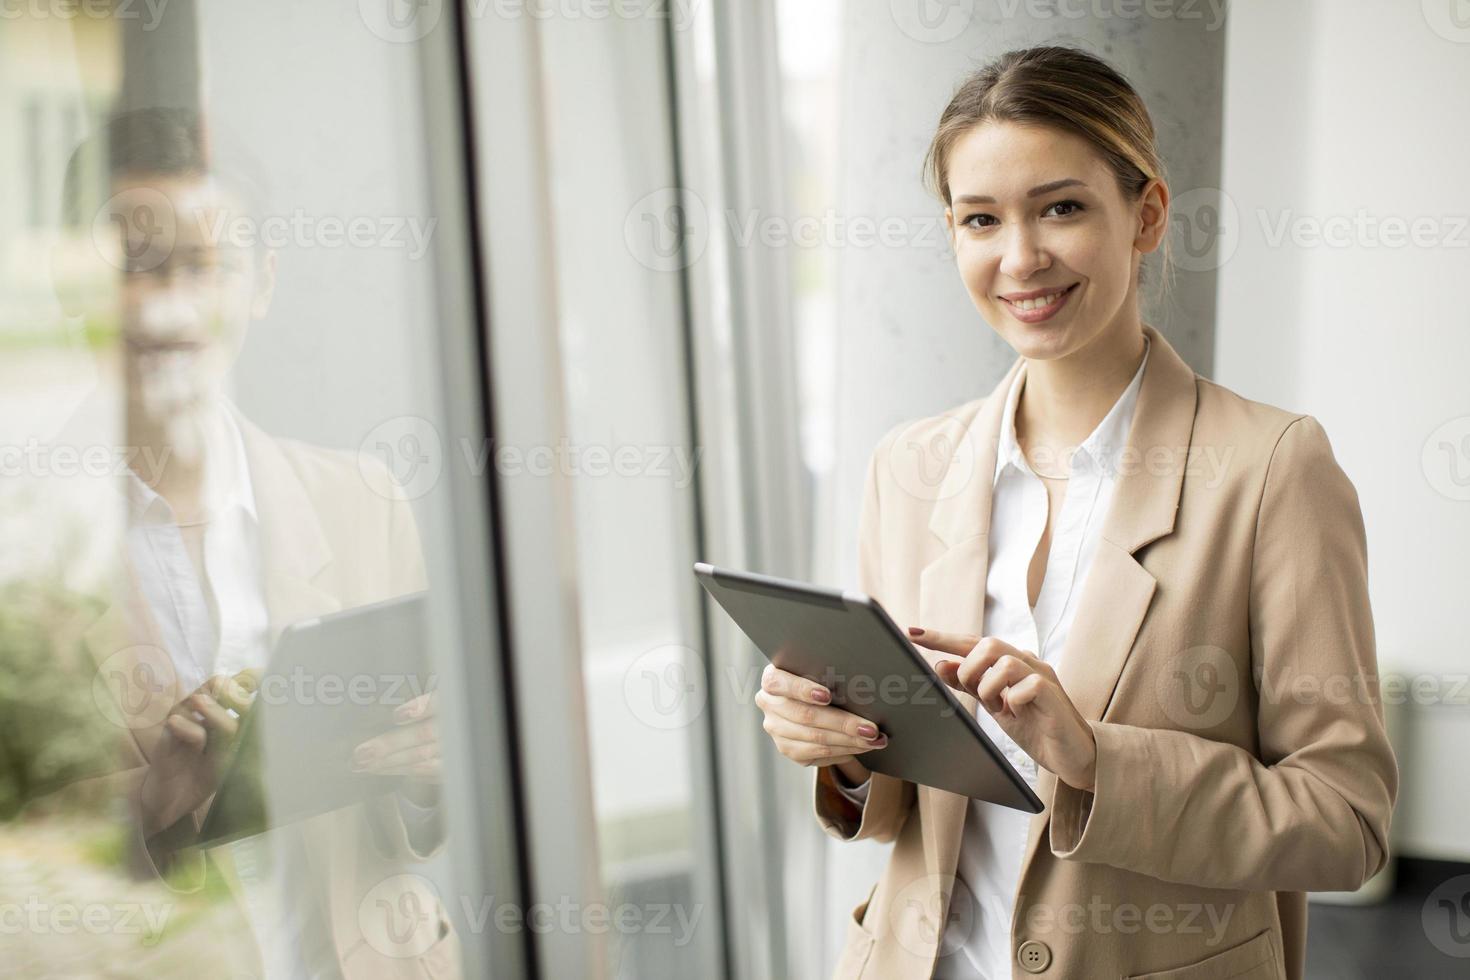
(1118, 590)
(293, 547)
(135, 676)
(952, 586)
(136, 684)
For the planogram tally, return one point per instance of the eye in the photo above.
(1076, 206)
(981, 220)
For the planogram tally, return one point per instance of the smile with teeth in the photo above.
(1041, 302)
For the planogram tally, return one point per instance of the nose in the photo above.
(1024, 254)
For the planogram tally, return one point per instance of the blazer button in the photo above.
(1034, 956)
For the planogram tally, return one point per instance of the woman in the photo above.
(1151, 591)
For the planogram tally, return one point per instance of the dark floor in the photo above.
(1407, 937)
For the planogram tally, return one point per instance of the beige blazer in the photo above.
(1223, 654)
(333, 537)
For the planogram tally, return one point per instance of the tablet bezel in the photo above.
(300, 644)
(768, 587)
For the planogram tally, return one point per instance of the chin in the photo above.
(1036, 342)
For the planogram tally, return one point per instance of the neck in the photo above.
(173, 453)
(1063, 400)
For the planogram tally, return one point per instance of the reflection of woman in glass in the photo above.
(232, 535)
(1127, 571)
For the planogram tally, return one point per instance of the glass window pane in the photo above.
(224, 686)
(632, 469)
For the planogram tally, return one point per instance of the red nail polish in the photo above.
(916, 631)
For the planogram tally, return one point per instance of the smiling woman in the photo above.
(1052, 205)
(1110, 610)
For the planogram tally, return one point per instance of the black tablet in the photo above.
(332, 683)
(846, 642)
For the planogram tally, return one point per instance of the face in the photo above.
(1037, 213)
(187, 292)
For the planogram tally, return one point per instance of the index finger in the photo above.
(985, 652)
(423, 706)
(228, 691)
(774, 680)
(216, 718)
(958, 644)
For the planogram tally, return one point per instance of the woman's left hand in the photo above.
(1023, 695)
(410, 750)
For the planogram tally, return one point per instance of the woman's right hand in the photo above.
(184, 768)
(808, 730)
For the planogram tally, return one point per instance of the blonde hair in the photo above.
(1065, 88)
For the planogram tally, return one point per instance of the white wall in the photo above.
(330, 112)
(1333, 109)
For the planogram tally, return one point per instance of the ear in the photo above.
(949, 225)
(265, 285)
(1153, 216)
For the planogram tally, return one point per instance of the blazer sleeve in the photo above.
(888, 799)
(1312, 812)
(399, 828)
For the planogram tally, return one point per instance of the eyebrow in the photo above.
(1033, 192)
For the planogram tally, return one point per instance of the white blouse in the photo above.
(977, 936)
